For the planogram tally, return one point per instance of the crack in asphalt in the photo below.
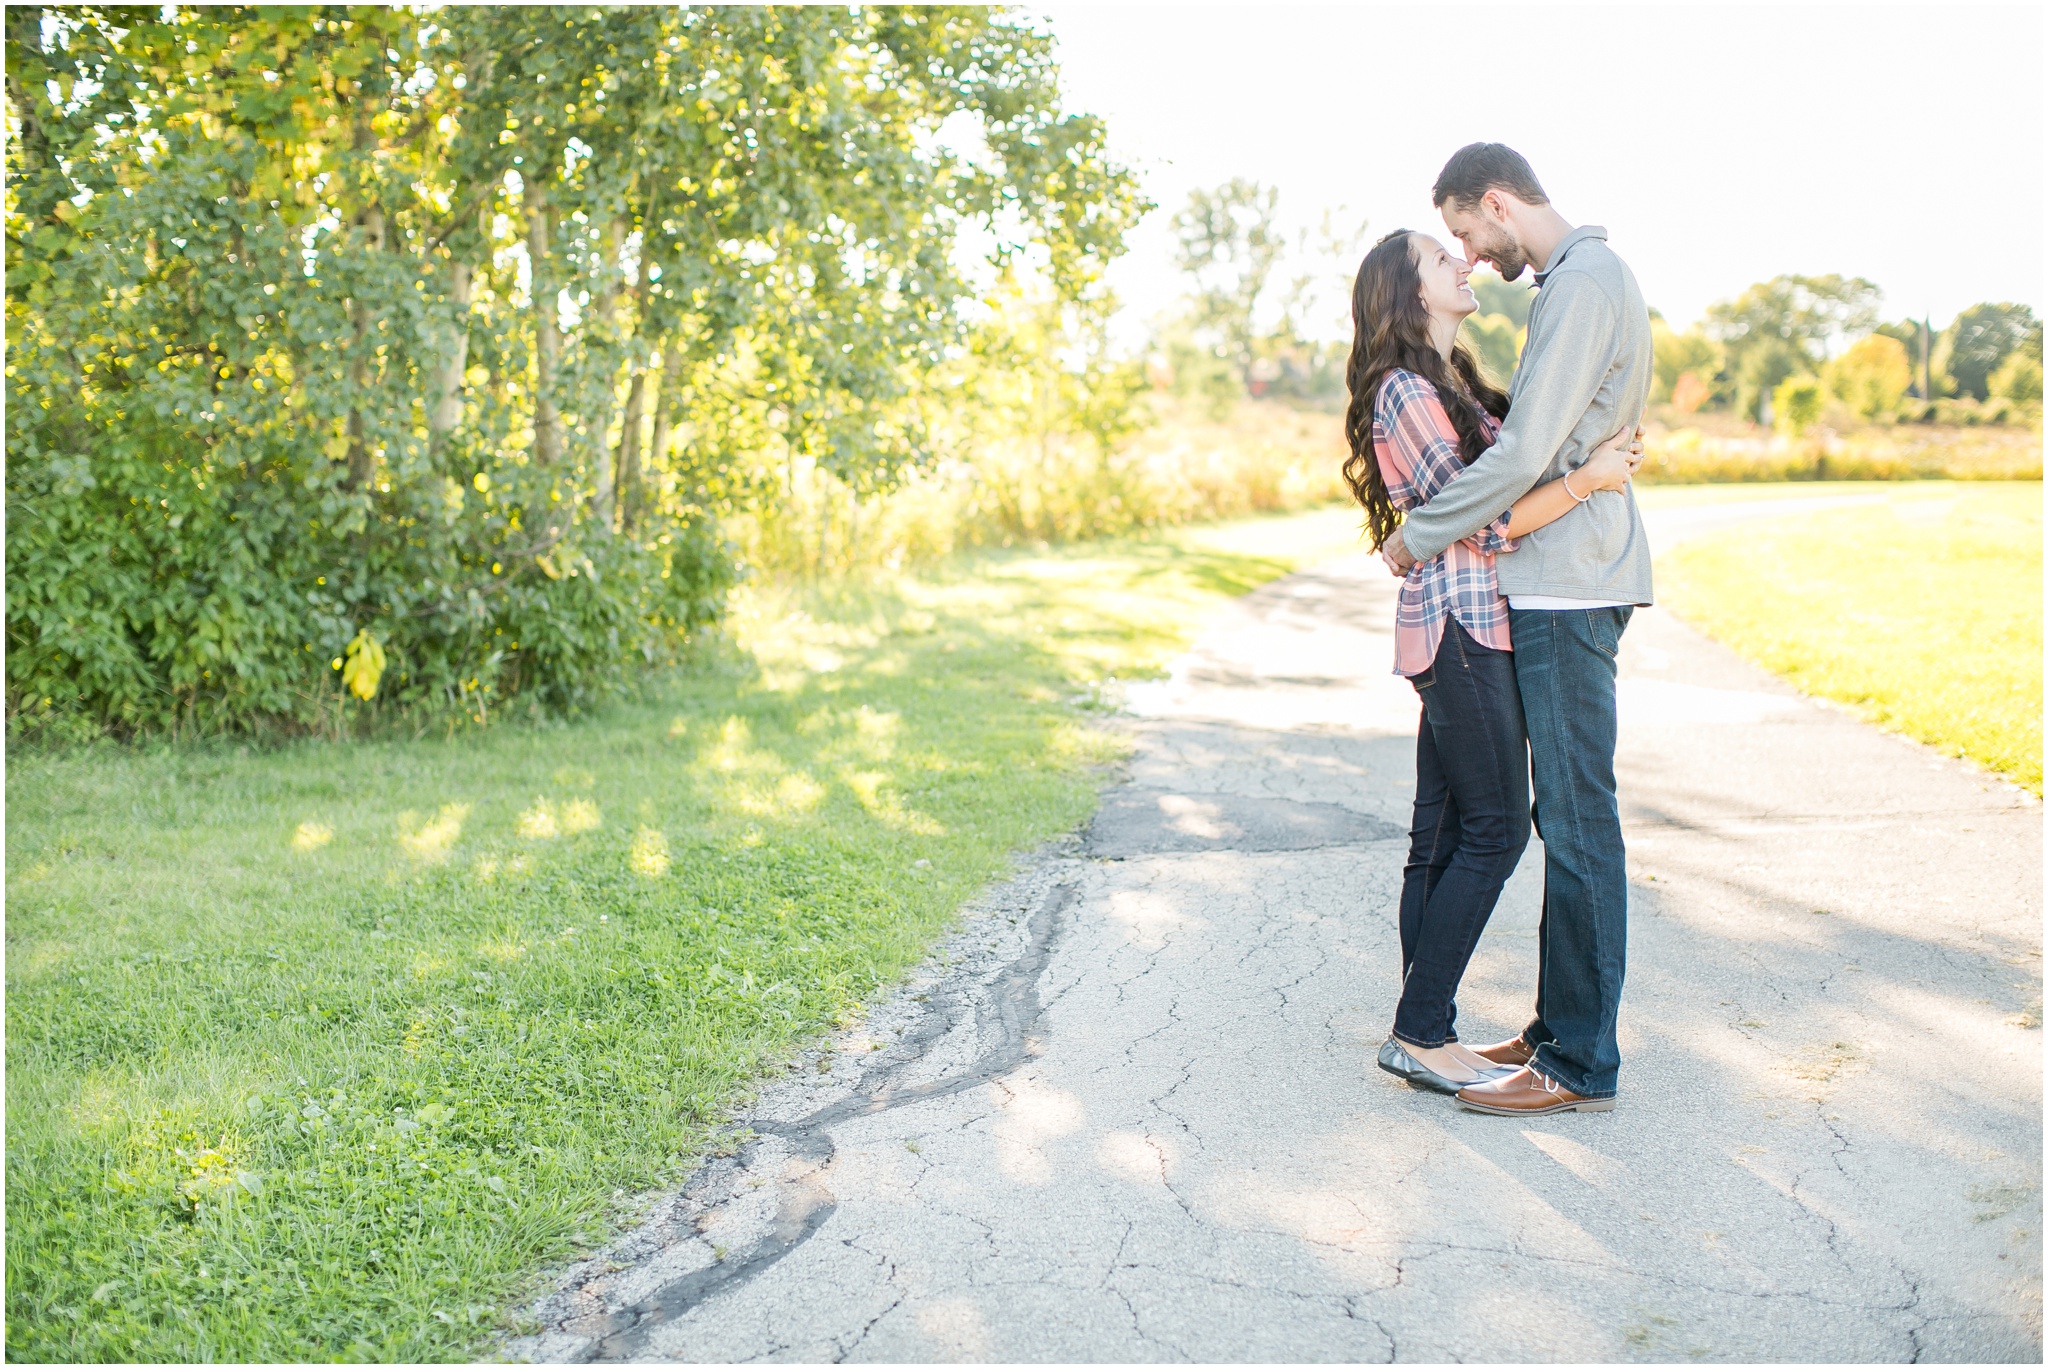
(1010, 1017)
(890, 1278)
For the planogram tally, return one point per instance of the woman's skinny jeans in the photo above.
(1471, 825)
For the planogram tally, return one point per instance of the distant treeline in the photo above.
(1788, 349)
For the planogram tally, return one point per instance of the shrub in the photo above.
(1871, 377)
(1678, 355)
(1690, 392)
(1796, 404)
(1980, 340)
(1497, 342)
(2018, 378)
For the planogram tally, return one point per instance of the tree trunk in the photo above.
(604, 336)
(361, 461)
(629, 449)
(664, 415)
(547, 418)
(446, 415)
(636, 399)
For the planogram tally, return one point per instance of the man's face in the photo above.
(1487, 235)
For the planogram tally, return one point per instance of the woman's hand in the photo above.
(1610, 466)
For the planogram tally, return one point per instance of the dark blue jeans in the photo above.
(1471, 826)
(1564, 660)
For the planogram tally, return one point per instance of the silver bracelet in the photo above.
(1576, 498)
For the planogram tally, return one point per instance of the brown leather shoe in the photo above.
(1514, 1051)
(1525, 1093)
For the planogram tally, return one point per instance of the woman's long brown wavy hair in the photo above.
(1391, 332)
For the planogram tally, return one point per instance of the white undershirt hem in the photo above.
(1554, 603)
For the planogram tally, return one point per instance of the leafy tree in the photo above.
(1786, 326)
(1796, 404)
(1306, 363)
(1324, 260)
(1496, 340)
(1759, 368)
(2018, 378)
(1678, 354)
(1982, 337)
(454, 332)
(1690, 393)
(1496, 332)
(1872, 377)
(1227, 242)
(1912, 334)
(1507, 298)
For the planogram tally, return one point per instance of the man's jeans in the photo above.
(1471, 826)
(1564, 660)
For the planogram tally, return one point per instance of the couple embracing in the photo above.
(1511, 520)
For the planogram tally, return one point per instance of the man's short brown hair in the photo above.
(1479, 167)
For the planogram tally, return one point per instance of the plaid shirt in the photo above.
(1418, 454)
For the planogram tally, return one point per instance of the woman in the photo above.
(1420, 413)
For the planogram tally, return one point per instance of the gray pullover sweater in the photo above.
(1585, 376)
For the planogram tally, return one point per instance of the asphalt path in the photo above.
(1130, 1111)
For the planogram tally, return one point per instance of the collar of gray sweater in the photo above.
(1571, 240)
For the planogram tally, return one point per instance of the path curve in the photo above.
(1129, 1112)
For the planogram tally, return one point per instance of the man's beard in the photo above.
(1507, 256)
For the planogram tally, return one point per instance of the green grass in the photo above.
(1763, 492)
(321, 1051)
(1922, 612)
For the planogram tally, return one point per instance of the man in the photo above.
(1584, 377)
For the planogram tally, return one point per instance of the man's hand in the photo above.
(1395, 553)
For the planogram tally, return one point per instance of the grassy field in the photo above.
(1721, 449)
(1184, 467)
(1921, 612)
(318, 1052)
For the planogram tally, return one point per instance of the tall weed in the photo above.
(1688, 456)
(1187, 465)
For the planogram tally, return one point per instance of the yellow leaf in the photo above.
(364, 666)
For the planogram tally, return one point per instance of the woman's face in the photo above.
(1444, 290)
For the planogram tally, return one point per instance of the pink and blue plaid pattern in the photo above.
(1418, 454)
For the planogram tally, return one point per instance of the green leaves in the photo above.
(1781, 328)
(466, 328)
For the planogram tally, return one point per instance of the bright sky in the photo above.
(1720, 145)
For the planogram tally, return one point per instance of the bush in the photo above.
(191, 541)
(1690, 392)
(2018, 378)
(1871, 377)
(1496, 340)
(1964, 412)
(1678, 355)
(1796, 404)
(1981, 338)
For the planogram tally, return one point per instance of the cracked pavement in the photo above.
(1129, 1111)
